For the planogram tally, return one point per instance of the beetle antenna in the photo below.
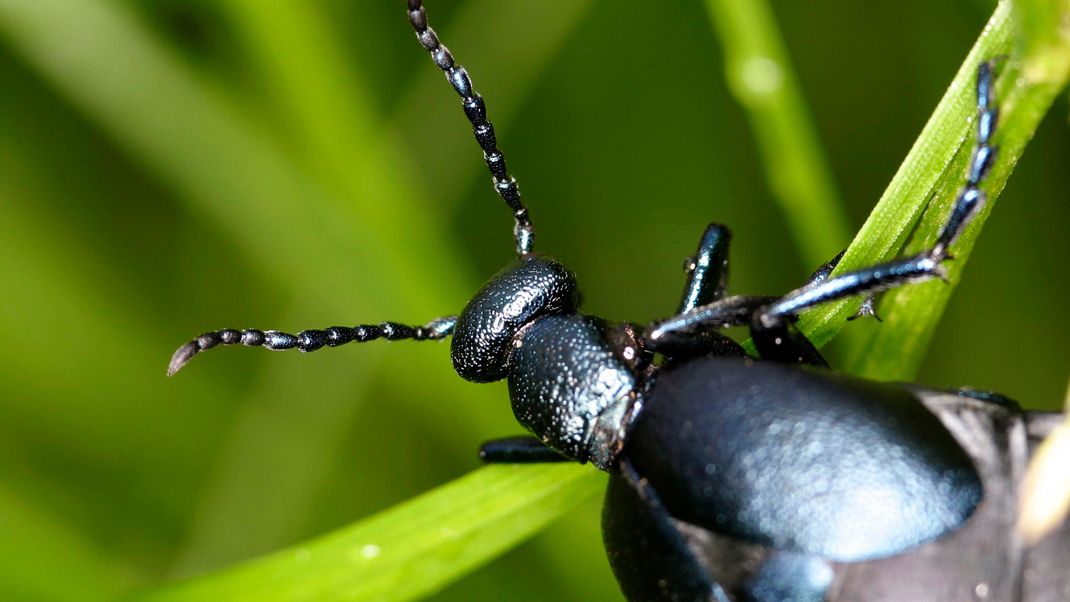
(476, 110)
(310, 340)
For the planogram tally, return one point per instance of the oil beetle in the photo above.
(739, 478)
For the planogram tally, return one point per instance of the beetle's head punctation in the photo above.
(528, 288)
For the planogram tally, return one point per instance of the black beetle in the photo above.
(735, 478)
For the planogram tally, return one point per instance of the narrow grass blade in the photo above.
(763, 81)
(1027, 87)
(918, 179)
(1045, 500)
(412, 549)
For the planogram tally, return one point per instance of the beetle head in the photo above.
(528, 288)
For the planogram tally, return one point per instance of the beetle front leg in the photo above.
(772, 328)
(822, 274)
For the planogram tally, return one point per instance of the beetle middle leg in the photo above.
(693, 330)
(822, 274)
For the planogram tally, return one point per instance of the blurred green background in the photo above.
(172, 166)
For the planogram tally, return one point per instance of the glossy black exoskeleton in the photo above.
(739, 478)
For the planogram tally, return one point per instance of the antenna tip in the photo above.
(182, 355)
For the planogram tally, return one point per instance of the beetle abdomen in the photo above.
(801, 459)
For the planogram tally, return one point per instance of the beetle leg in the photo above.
(822, 274)
(775, 336)
(866, 309)
(985, 395)
(646, 549)
(777, 339)
(771, 326)
(707, 270)
(519, 450)
(971, 200)
(698, 322)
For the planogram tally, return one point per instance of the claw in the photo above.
(866, 309)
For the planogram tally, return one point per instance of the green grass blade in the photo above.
(411, 550)
(1027, 87)
(763, 81)
(932, 169)
(1045, 34)
(926, 165)
(1045, 28)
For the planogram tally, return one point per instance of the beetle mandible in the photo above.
(732, 477)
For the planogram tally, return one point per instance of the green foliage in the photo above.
(413, 548)
(763, 81)
(174, 166)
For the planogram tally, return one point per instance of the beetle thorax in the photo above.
(570, 389)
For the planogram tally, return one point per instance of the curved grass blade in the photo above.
(1045, 499)
(1027, 87)
(412, 549)
(933, 170)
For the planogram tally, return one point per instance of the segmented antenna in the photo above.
(476, 110)
(310, 340)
